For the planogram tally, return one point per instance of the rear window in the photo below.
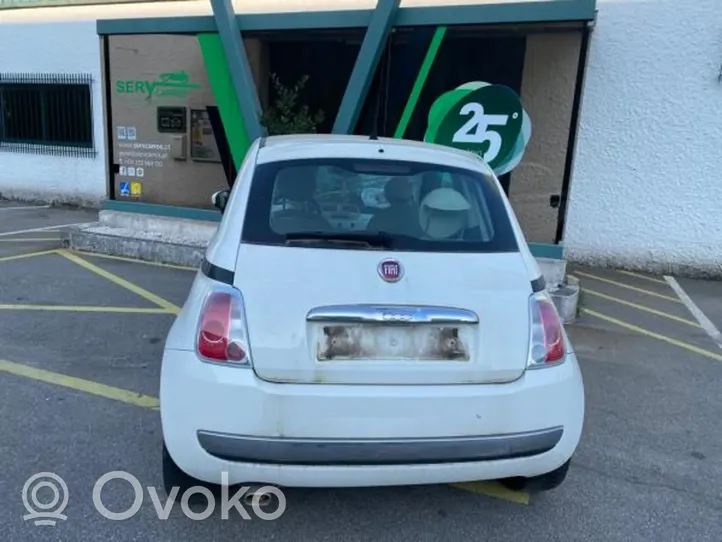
(393, 205)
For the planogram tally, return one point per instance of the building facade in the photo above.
(41, 61)
(646, 187)
(622, 173)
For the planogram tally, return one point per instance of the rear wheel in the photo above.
(544, 482)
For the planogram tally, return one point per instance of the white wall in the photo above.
(647, 184)
(70, 47)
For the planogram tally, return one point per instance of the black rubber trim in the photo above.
(538, 284)
(573, 132)
(362, 452)
(216, 273)
(224, 148)
(113, 168)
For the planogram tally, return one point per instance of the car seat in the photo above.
(401, 217)
(444, 214)
(298, 186)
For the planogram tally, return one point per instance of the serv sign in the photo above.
(176, 84)
(488, 120)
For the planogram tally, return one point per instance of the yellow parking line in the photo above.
(494, 489)
(27, 255)
(115, 279)
(488, 488)
(628, 287)
(82, 308)
(79, 384)
(637, 275)
(641, 308)
(652, 334)
(35, 239)
(133, 260)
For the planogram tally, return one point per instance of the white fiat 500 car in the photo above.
(348, 344)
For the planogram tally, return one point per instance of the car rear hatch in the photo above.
(328, 316)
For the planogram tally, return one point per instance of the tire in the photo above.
(544, 482)
(173, 476)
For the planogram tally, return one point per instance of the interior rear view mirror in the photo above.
(220, 199)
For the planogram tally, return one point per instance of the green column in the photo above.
(372, 48)
(219, 77)
(238, 66)
(426, 65)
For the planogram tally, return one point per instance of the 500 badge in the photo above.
(488, 120)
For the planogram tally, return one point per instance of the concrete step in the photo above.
(554, 271)
(160, 239)
(173, 228)
(148, 246)
(566, 300)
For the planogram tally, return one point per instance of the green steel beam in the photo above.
(156, 25)
(547, 250)
(219, 77)
(364, 70)
(240, 69)
(191, 213)
(426, 65)
(307, 20)
(501, 12)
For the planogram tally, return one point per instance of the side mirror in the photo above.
(220, 199)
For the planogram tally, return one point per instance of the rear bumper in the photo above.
(219, 419)
(290, 451)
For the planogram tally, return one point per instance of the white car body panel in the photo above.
(201, 397)
(291, 282)
(289, 395)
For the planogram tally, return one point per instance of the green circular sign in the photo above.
(488, 120)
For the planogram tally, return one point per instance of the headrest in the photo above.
(398, 189)
(443, 213)
(296, 183)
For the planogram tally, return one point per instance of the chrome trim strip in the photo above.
(401, 314)
(298, 451)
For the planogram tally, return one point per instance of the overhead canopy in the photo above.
(130, 16)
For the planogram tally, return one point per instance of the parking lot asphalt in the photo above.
(81, 338)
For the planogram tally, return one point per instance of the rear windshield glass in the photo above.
(376, 204)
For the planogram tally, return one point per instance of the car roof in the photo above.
(306, 146)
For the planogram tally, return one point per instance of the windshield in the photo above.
(407, 206)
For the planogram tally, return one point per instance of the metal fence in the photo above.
(47, 114)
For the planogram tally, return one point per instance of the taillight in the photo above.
(222, 334)
(546, 345)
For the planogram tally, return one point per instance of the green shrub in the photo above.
(284, 116)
